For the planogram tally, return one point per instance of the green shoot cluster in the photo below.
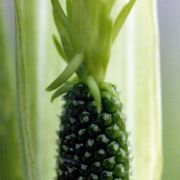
(86, 32)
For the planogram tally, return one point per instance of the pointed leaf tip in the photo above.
(122, 18)
(67, 73)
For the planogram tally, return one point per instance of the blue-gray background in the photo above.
(169, 26)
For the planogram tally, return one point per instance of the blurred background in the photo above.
(169, 28)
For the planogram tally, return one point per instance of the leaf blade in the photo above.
(122, 18)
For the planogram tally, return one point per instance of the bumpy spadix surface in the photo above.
(92, 145)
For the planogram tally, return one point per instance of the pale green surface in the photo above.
(35, 67)
(49, 65)
(135, 69)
